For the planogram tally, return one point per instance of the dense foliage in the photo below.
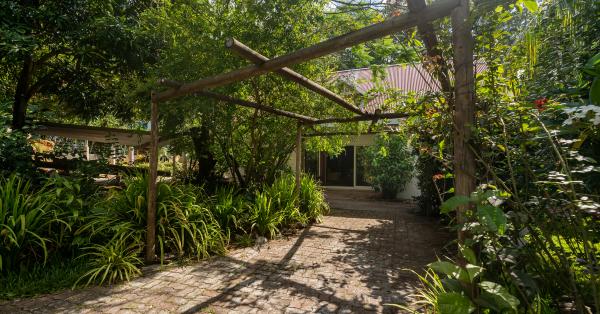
(106, 230)
(389, 164)
(533, 223)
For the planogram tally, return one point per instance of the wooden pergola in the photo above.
(419, 16)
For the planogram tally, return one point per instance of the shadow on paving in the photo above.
(379, 255)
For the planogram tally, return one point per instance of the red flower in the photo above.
(438, 176)
(540, 103)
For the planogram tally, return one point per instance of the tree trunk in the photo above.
(22, 94)
(427, 33)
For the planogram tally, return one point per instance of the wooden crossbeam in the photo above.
(370, 117)
(326, 134)
(244, 103)
(258, 59)
(437, 10)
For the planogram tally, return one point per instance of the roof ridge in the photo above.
(385, 65)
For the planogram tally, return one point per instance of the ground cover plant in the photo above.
(56, 235)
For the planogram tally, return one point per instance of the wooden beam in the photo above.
(257, 58)
(298, 160)
(258, 106)
(437, 10)
(152, 185)
(464, 108)
(244, 103)
(369, 117)
(325, 134)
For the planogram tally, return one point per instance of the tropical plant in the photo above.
(391, 163)
(26, 218)
(185, 226)
(312, 199)
(284, 196)
(227, 206)
(264, 218)
(115, 261)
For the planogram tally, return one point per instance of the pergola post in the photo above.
(152, 185)
(298, 159)
(464, 107)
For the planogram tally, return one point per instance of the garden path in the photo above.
(353, 262)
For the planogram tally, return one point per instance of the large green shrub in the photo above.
(391, 163)
(228, 207)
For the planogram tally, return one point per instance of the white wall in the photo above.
(411, 190)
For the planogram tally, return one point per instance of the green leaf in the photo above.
(497, 296)
(593, 62)
(454, 303)
(453, 202)
(450, 270)
(492, 218)
(531, 5)
(473, 271)
(468, 254)
(444, 267)
(595, 91)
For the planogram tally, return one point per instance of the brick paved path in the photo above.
(351, 263)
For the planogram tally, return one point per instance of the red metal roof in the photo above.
(403, 78)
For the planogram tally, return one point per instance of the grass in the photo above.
(54, 276)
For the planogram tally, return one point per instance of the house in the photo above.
(346, 171)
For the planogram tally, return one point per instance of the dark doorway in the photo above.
(339, 170)
(311, 164)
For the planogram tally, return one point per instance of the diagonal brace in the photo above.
(258, 59)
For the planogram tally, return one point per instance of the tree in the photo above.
(72, 54)
(241, 138)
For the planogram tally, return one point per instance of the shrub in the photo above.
(185, 226)
(227, 206)
(285, 200)
(312, 199)
(391, 163)
(264, 218)
(26, 216)
(112, 262)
